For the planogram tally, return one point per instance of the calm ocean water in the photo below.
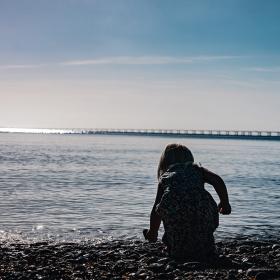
(72, 187)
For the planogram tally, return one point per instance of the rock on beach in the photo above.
(136, 259)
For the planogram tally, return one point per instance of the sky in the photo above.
(166, 64)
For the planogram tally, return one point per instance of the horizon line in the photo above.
(80, 130)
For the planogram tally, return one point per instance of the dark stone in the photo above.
(172, 263)
(156, 266)
(169, 267)
(192, 265)
(231, 275)
(246, 263)
(261, 276)
(163, 260)
(264, 272)
(244, 248)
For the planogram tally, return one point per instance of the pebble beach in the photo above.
(136, 259)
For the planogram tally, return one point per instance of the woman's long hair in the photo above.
(173, 153)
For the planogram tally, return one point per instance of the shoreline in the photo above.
(136, 259)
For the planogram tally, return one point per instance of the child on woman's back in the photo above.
(188, 211)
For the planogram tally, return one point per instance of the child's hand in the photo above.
(149, 235)
(224, 208)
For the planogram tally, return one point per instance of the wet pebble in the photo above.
(263, 272)
(275, 247)
(156, 266)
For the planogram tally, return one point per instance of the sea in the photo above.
(72, 187)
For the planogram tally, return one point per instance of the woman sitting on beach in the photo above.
(189, 213)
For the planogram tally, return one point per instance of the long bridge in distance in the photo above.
(183, 133)
(192, 133)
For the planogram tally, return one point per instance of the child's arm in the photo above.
(217, 182)
(155, 219)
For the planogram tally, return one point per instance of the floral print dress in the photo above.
(189, 213)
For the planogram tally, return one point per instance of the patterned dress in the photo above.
(188, 211)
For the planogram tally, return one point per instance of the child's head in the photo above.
(173, 153)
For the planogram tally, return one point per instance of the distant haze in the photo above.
(140, 64)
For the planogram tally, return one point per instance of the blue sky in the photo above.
(140, 64)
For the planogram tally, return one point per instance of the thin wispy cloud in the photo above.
(264, 69)
(146, 60)
(127, 60)
(22, 66)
